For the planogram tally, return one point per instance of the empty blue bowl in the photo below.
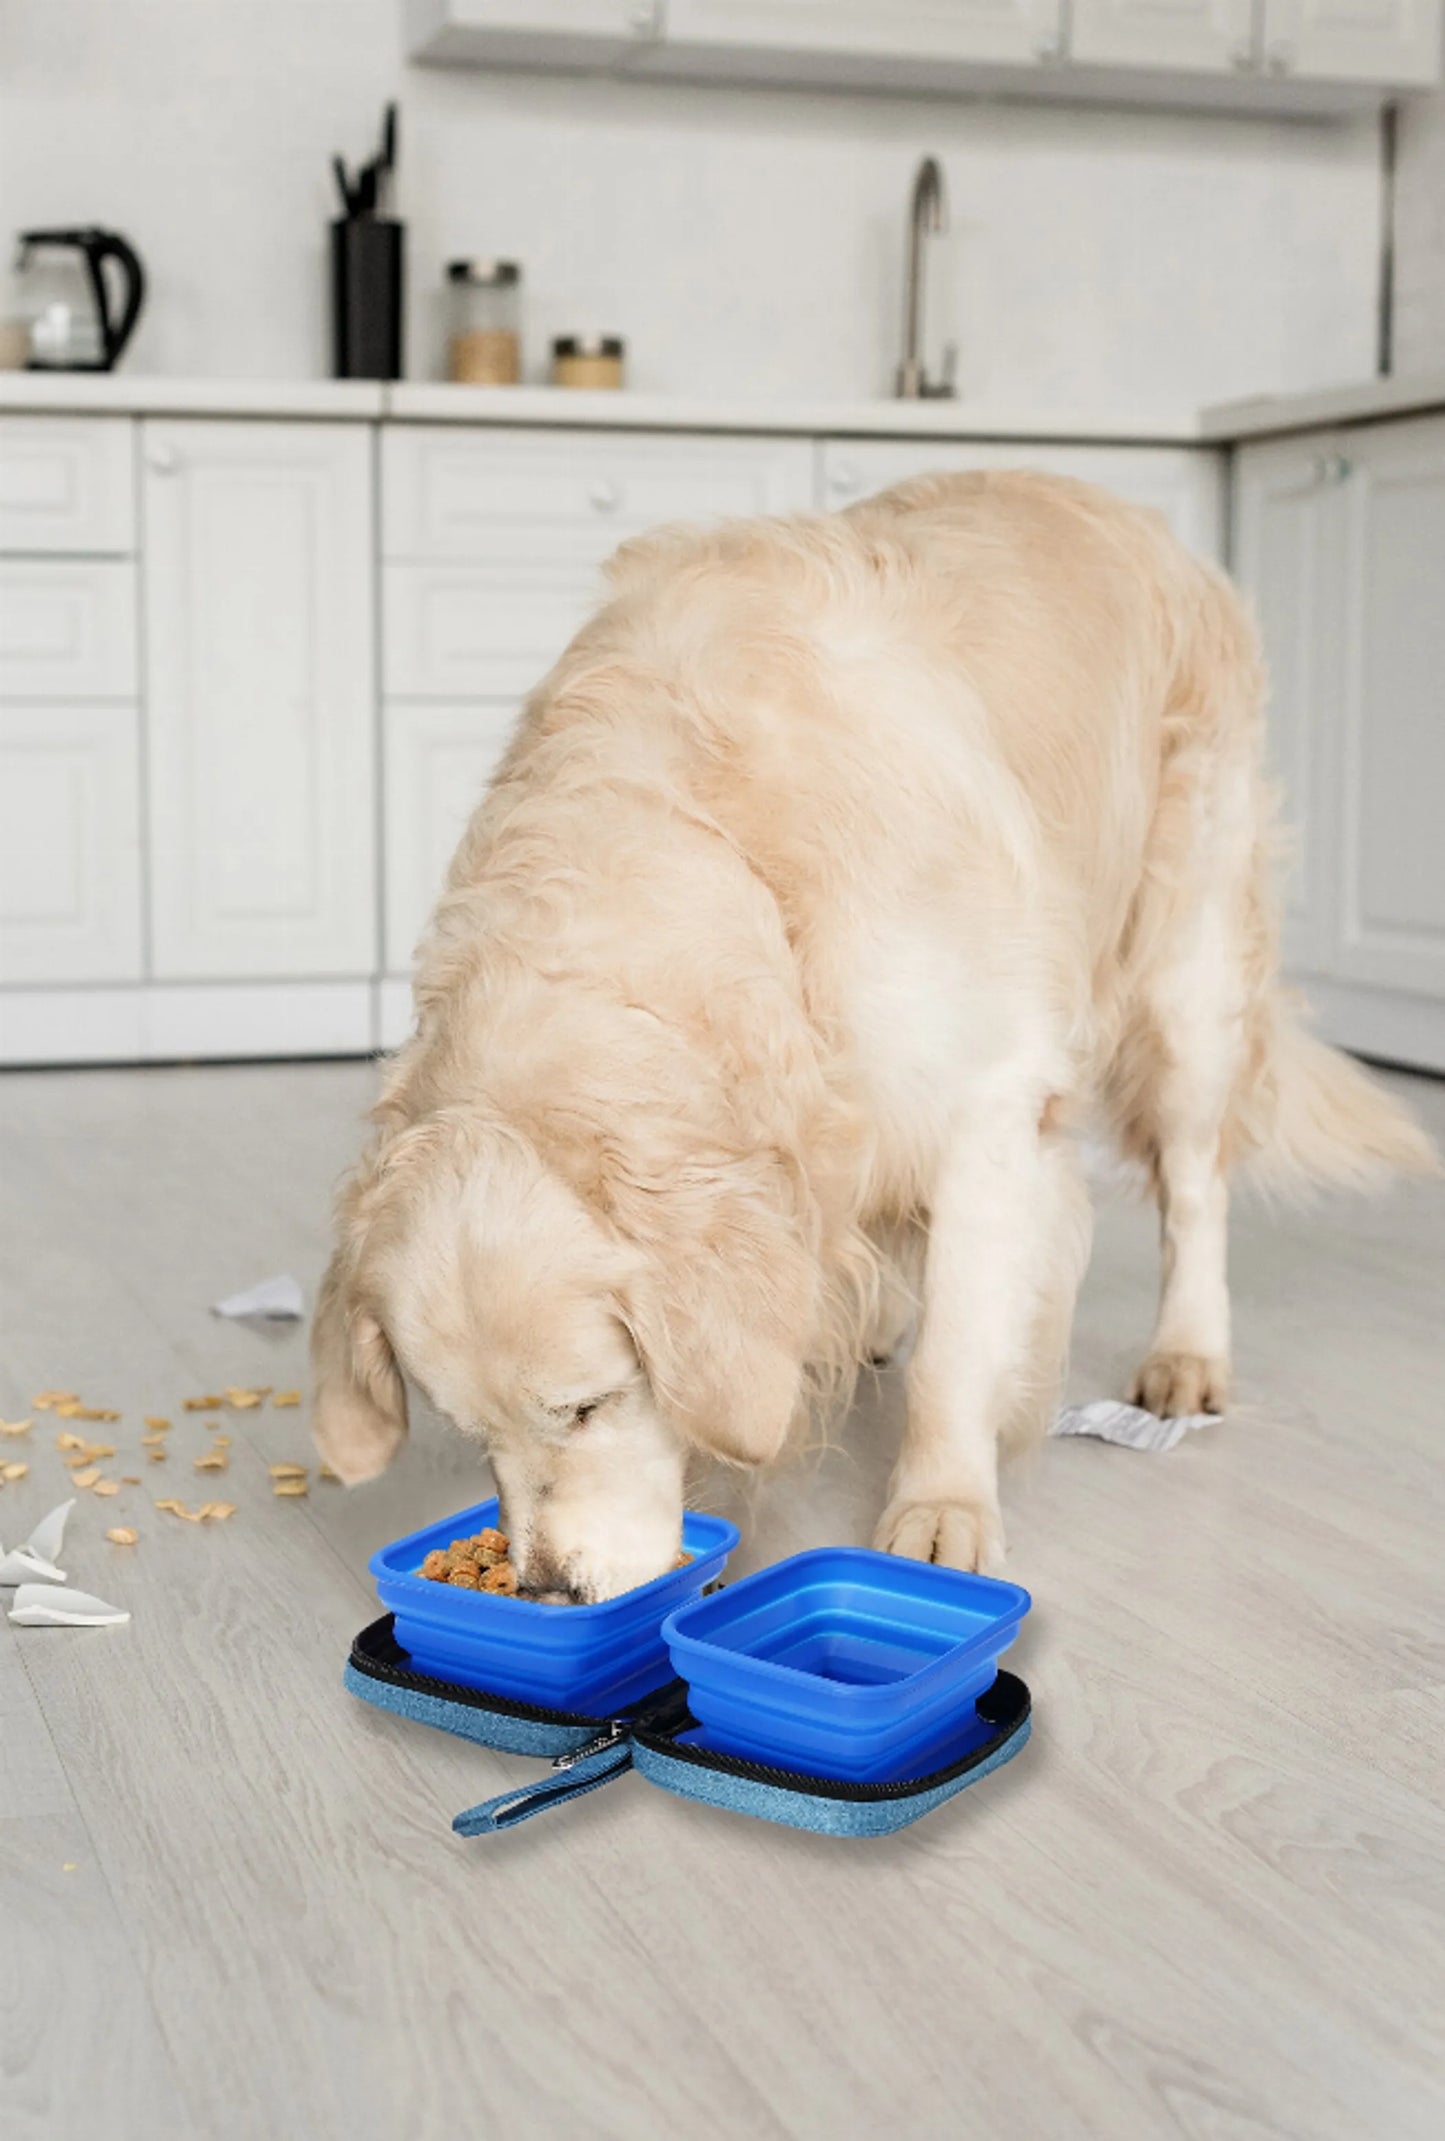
(842, 1662)
(591, 1659)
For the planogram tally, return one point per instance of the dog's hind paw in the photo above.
(1171, 1384)
(964, 1535)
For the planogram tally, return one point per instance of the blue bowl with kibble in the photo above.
(843, 1663)
(591, 1660)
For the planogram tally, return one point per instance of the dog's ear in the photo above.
(358, 1416)
(722, 1308)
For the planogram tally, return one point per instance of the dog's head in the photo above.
(589, 1340)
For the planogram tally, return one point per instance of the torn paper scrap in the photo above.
(1109, 1420)
(35, 1560)
(279, 1299)
(42, 1605)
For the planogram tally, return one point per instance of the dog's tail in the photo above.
(1313, 1116)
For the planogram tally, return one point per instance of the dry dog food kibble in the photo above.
(482, 1564)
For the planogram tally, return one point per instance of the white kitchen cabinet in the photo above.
(1339, 540)
(1396, 42)
(868, 33)
(1184, 483)
(67, 628)
(493, 547)
(260, 699)
(1288, 554)
(570, 497)
(67, 484)
(438, 759)
(70, 901)
(1201, 36)
(1391, 772)
(573, 34)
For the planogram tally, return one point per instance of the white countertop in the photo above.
(1363, 402)
(126, 394)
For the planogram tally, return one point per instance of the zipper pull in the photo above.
(595, 1765)
(617, 1728)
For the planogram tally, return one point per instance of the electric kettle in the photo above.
(79, 319)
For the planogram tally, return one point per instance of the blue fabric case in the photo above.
(588, 1752)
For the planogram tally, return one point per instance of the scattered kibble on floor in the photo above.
(123, 1535)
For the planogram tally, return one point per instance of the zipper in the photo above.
(1010, 1698)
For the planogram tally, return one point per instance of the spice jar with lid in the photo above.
(484, 346)
(588, 361)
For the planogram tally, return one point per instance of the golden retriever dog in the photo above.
(837, 869)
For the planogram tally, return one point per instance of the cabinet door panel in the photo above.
(66, 484)
(1396, 41)
(70, 903)
(1289, 557)
(477, 630)
(260, 699)
(1201, 36)
(876, 29)
(67, 628)
(438, 759)
(1185, 484)
(1392, 775)
(569, 497)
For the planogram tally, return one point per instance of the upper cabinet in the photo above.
(1390, 41)
(855, 39)
(575, 34)
(1302, 56)
(1201, 36)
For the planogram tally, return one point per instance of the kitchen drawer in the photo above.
(505, 496)
(70, 900)
(1184, 483)
(437, 760)
(67, 484)
(67, 628)
(455, 631)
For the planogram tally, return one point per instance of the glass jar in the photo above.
(594, 361)
(484, 344)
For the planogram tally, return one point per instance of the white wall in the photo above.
(744, 241)
(1420, 238)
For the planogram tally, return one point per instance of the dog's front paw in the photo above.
(965, 1535)
(1175, 1383)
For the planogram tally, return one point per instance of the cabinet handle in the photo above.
(843, 480)
(161, 458)
(1049, 49)
(604, 495)
(1332, 468)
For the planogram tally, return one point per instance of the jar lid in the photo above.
(589, 346)
(485, 274)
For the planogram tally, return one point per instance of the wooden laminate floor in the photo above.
(1209, 1900)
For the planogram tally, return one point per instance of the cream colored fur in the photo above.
(834, 872)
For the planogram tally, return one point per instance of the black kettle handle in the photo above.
(105, 245)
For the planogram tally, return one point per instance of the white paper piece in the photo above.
(280, 1299)
(35, 1560)
(1109, 1420)
(42, 1605)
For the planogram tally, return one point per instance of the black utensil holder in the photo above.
(367, 258)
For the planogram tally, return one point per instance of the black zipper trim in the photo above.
(377, 1655)
(659, 1718)
(1007, 1703)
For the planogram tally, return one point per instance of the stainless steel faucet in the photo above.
(927, 216)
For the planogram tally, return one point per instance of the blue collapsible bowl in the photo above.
(592, 1659)
(842, 1662)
